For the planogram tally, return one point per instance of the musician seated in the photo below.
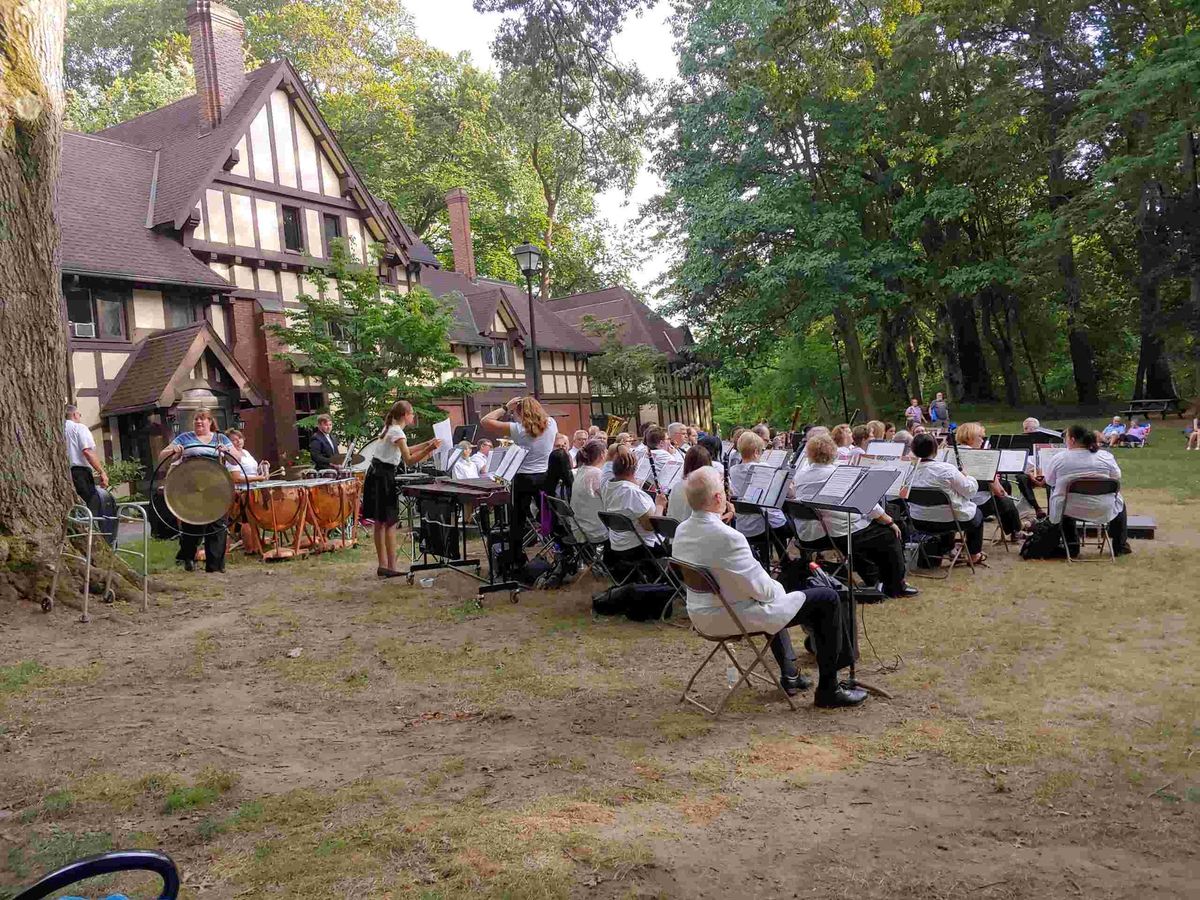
(877, 429)
(991, 498)
(481, 458)
(677, 504)
(750, 447)
(889, 432)
(843, 439)
(464, 467)
(586, 492)
(677, 436)
(247, 468)
(877, 540)
(1113, 431)
(578, 439)
(712, 444)
(1082, 458)
(660, 449)
(761, 603)
(906, 438)
(624, 496)
(930, 473)
(860, 436)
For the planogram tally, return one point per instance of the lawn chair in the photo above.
(650, 565)
(107, 864)
(1088, 486)
(932, 498)
(702, 581)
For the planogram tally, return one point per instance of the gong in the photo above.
(198, 491)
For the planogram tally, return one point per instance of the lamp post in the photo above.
(529, 261)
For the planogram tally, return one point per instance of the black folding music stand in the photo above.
(465, 433)
(870, 489)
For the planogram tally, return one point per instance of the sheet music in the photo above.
(455, 456)
(1013, 461)
(885, 448)
(839, 485)
(669, 474)
(444, 431)
(639, 452)
(943, 455)
(979, 464)
(1044, 452)
(903, 476)
(507, 468)
(496, 460)
(774, 459)
(642, 474)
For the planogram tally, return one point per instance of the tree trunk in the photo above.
(1033, 372)
(1083, 362)
(890, 337)
(944, 343)
(1001, 344)
(860, 377)
(35, 489)
(1154, 379)
(976, 379)
(914, 360)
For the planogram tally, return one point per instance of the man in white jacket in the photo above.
(760, 602)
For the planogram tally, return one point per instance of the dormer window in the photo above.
(496, 356)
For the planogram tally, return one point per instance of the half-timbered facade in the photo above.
(194, 228)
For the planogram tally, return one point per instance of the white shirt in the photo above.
(573, 452)
(1062, 467)
(626, 498)
(248, 465)
(465, 468)
(947, 477)
(537, 461)
(387, 451)
(677, 505)
(587, 501)
(835, 522)
(79, 438)
(751, 524)
(661, 454)
(759, 601)
(844, 453)
(480, 461)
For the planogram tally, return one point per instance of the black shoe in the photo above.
(189, 566)
(839, 697)
(795, 684)
(220, 570)
(906, 591)
(1123, 551)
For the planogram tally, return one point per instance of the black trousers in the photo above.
(85, 486)
(973, 530)
(1118, 533)
(215, 537)
(778, 538)
(525, 490)
(1005, 510)
(821, 613)
(879, 546)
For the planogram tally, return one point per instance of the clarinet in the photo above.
(653, 470)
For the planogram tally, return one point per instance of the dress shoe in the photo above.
(189, 566)
(839, 697)
(906, 591)
(794, 684)
(1123, 551)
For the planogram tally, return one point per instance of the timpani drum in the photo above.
(278, 507)
(333, 505)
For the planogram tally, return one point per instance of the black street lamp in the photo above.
(529, 261)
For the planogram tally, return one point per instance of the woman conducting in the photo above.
(523, 421)
(381, 497)
(1083, 458)
(202, 440)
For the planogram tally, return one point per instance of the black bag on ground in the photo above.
(637, 602)
(1044, 542)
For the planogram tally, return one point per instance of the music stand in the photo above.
(465, 433)
(869, 488)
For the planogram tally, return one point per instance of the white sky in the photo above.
(454, 26)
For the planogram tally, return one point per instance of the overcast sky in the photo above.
(454, 26)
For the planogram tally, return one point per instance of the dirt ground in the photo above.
(1042, 741)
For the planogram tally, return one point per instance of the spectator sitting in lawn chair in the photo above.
(1112, 432)
(1135, 435)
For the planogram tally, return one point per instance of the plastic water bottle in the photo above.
(731, 676)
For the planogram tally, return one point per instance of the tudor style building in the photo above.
(188, 231)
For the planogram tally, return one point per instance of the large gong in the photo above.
(198, 491)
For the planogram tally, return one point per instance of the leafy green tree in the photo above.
(370, 348)
(622, 375)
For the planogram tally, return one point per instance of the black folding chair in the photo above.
(108, 864)
(935, 498)
(744, 508)
(1088, 486)
(702, 581)
(575, 537)
(650, 564)
(800, 513)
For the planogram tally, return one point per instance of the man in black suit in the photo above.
(322, 446)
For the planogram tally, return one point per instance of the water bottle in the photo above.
(731, 676)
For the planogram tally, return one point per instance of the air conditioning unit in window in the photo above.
(83, 329)
(343, 346)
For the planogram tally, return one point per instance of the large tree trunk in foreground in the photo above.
(860, 376)
(35, 487)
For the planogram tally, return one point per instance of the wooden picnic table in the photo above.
(1148, 407)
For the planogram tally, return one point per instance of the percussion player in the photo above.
(81, 452)
(525, 423)
(321, 446)
(202, 440)
(247, 468)
(381, 496)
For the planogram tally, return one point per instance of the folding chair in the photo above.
(931, 498)
(799, 512)
(575, 537)
(622, 524)
(1089, 486)
(701, 580)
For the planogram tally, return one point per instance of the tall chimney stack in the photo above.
(460, 232)
(216, 32)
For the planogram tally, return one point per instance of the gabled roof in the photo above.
(637, 322)
(160, 367)
(104, 195)
(190, 155)
(483, 294)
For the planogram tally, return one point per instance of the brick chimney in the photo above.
(216, 32)
(460, 232)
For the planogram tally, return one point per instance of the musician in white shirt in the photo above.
(677, 505)
(993, 501)
(876, 536)
(1082, 458)
(750, 447)
(661, 450)
(624, 496)
(578, 439)
(481, 457)
(843, 439)
(464, 466)
(247, 468)
(760, 602)
(586, 493)
(944, 476)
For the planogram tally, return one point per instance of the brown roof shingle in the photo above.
(637, 322)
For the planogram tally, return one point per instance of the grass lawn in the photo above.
(306, 730)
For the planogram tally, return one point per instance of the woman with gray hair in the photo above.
(904, 437)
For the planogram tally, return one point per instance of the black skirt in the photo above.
(381, 496)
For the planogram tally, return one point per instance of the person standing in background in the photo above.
(914, 415)
(81, 456)
(939, 410)
(321, 446)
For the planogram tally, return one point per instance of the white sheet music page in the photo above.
(454, 457)
(444, 431)
(669, 474)
(642, 474)
(979, 464)
(496, 460)
(839, 485)
(774, 459)
(1013, 461)
(903, 476)
(512, 462)
(885, 448)
(1043, 453)
(780, 479)
(759, 485)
